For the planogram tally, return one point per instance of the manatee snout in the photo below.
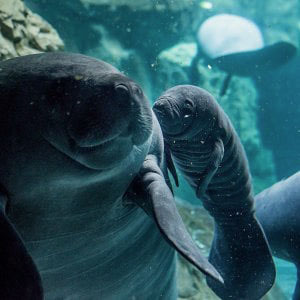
(112, 112)
(166, 113)
(172, 115)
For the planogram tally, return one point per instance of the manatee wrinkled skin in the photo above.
(204, 146)
(277, 209)
(80, 151)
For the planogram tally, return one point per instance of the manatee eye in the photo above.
(188, 108)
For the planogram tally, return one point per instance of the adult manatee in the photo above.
(206, 149)
(76, 134)
(277, 209)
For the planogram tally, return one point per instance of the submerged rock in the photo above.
(109, 49)
(171, 67)
(23, 32)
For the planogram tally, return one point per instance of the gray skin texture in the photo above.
(277, 209)
(208, 152)
(81, 154)
(62, 184)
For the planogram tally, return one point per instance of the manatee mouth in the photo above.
(103, 145)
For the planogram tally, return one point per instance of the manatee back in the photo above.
(277, 209)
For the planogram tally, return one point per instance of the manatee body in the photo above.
(206, 149)
(65, 183)
(277, 209)
(75, 136)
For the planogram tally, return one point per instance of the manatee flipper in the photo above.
(151, 193)
(252, 63)
(225, 84)
(170, 164)
(19, 276)
(193, 73)
(212, 167)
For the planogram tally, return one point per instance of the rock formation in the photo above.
(22, 32)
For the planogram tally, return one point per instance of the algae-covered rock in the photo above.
(171, 67)
(191, 282)
(23, 32)
(239, 102)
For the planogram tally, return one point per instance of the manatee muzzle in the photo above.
(103, 118)
(170, 117)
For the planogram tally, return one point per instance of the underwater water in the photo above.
(286, 276)
(248, 60)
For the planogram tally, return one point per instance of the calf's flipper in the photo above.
(212, 167)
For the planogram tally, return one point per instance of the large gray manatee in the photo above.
(80, 151)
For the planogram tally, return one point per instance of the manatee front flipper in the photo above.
(19, 278)
(211, 168)
(151, 193)
(225, 84)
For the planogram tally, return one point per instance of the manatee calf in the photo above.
(206, 149)
(81, 150)
(277, 209)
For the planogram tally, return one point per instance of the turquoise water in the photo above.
(286, 276)
(156, 42)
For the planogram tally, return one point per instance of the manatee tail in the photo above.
(242, 256)
(251, 63)
(193, 72)
(150, 192)
(18, 274)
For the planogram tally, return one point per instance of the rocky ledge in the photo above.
(22, 32)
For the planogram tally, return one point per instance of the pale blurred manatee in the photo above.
(204, 146)
(278, 211)
(81, 150)
(235, 45)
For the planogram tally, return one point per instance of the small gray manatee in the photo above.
(81, 151)
(277, 209)
(206, 149)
